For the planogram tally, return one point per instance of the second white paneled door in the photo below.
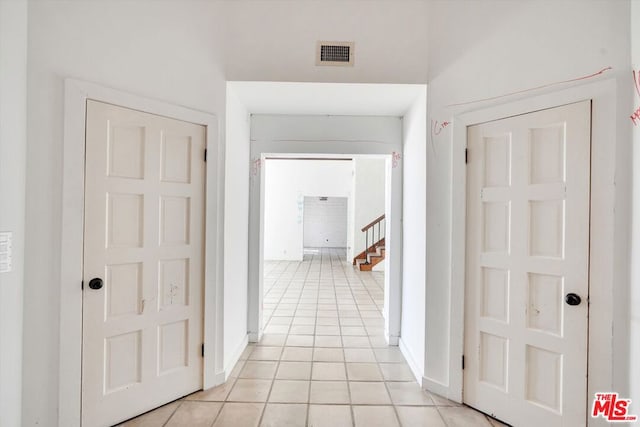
(143, 262)
(526, 300)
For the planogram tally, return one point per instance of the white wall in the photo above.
(236, 233)
(369, 199)
(13, 143)
(414, 232)
(634, 297)
(287, 183)
(325, 222)
(528, 44)
(162, 50)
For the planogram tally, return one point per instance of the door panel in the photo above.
(144, 228)
(527, 247)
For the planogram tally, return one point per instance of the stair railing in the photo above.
(372, 226)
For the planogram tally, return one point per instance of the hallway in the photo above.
(322, 361)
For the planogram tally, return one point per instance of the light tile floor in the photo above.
(322, 362)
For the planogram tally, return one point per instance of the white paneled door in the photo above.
(527, 277)
(143, 262)
(325, 222)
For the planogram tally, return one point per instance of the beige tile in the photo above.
(328, 321)
(259, 369)
(287, 391)
(396, 372)
(442, 401)
(235, 372)
(284, 313)
(266, 353)
(276, 329)
(375, 416)
(419, 416)
(375, 331)
(282, 415)
(300, 341)
(359, 355)
(329, 392)
(215, 394)
(195, 414)
(328, 371)
(306, 312)
(330, 416)
(239, 415)
(304, 320)
(364, 372)
(328, 341)
(373, 322)
(294, 371)
(247, 351)
(408, 393)
(346, 314)
(356, 342)
(369, 393)
(302, 330)
(154, 418)
(299, 354)
(463, 417)
(351, 321)
(371, 314)
(354, 330)
(273, 340)
(389, 355)
(250, 391)
(378, 342)
(328, 355)
(327, 330)
(275, 320)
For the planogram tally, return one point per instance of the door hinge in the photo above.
(82, 285)
(205, 154)
(466, 156)
(202, 350)
(463, 361)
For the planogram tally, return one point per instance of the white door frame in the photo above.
(602, 245)
(393, 240)
(71, 245)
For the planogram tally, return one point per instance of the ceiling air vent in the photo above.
(334, 53)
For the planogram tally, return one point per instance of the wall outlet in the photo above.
(6, 242)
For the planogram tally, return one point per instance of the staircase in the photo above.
(374, 246)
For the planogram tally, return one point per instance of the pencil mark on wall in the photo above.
(395, 158)
(635, 117)
(437, 128)
(576, 79)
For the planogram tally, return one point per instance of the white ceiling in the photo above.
(350, 99)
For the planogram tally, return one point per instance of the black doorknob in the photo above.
(573, 299)
(95, 283)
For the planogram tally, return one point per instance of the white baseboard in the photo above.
(391, 339)
(255, 336)
(413, 365)
(235, 356)
(436, 387)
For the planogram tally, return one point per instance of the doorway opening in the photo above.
(326, 120)
(317, 237)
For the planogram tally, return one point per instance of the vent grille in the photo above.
(334, 53)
